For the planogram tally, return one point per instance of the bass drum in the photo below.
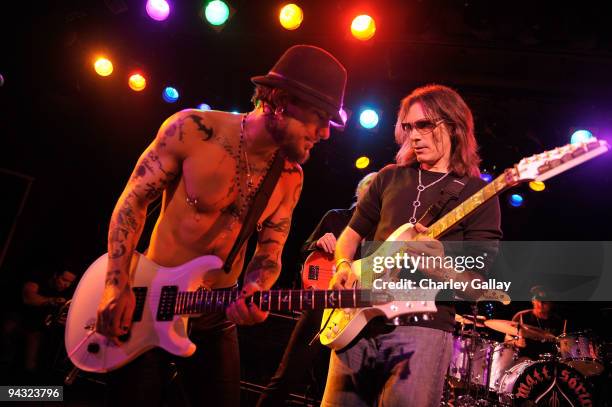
(544, 383)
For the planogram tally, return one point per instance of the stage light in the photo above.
(581, 136)
(103, 67)
(1, 80)
(158, 10)
(235, 112)
(363, 27)
(486, 177)
(204, 106)
(368, 118)
(537, 186)
(217, 12)
(362, 162)
(170, 94)
(516, 200)
(137, 82)
(291, 16)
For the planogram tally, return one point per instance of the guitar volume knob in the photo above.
(93, 347)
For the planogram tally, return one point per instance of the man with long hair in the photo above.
(207, 167)
(404, 363)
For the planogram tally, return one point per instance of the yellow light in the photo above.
(537, 186)
(137, 82)
(291, 16)
(362, 162)
(103, 67)
(363, 27)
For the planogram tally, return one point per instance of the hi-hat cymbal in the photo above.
(469, 320)
(524, 330)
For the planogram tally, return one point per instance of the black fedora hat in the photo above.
(311, 74)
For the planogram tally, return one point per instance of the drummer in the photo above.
(541, 316)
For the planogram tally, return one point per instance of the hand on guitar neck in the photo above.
(242, 314)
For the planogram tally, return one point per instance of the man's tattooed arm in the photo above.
(157, 168)
(265, 266)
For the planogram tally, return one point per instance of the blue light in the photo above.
(204, 106)
(516, 200)
(235, 112)
(486, 177)
(581, 136)
(368, 119)
(170, 94)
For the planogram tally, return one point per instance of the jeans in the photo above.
(209, 377)
(390, 366)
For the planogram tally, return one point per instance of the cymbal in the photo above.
(526, 331)
(469, 320)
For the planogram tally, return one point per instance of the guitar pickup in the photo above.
(167, 302)
(141, 294)
(313, 272)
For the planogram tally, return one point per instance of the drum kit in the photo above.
(484, 372)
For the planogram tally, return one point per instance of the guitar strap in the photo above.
(260, 201)
(449, 192)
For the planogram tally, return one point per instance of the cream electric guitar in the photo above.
(167, 296)
(340, 326)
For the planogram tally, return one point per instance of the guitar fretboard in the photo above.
(469, 205)
(202, 301)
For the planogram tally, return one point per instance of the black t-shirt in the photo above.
(534, 348)
(388, 204)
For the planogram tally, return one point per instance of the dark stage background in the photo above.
(532, 72)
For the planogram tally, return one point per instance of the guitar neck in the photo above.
(201, 301)
(453, 217)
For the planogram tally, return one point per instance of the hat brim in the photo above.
(296, 90)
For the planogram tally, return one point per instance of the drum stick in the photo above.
(564, 326)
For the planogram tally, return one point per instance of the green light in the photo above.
(217, 12)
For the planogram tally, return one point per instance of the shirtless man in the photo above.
(208, 166)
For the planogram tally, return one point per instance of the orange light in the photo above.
(362, 162)
(363, 27)
(291, 16)
(537, 186)
(137, 82)
(103, 66)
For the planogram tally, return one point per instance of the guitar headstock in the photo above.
(543, 166)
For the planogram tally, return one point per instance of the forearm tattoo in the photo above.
(282, 226)
(263, 270)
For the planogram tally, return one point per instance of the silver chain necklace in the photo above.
(420, 188)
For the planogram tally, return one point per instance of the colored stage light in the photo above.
(170, 94)
(486, 177)
(291, 16)
(537, 186)
(368, 118)
(362, 162)
(103, 67)
(158, 10)
(363, 27)
(1, 80)
(137, 82)
(581, 136)
(204, 106)
(217, 12)
(516, 200)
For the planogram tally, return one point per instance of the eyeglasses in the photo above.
(423, 126)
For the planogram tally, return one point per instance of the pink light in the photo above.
(158, 9)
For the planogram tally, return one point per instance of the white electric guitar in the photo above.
(340, 326)
(167, 296)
